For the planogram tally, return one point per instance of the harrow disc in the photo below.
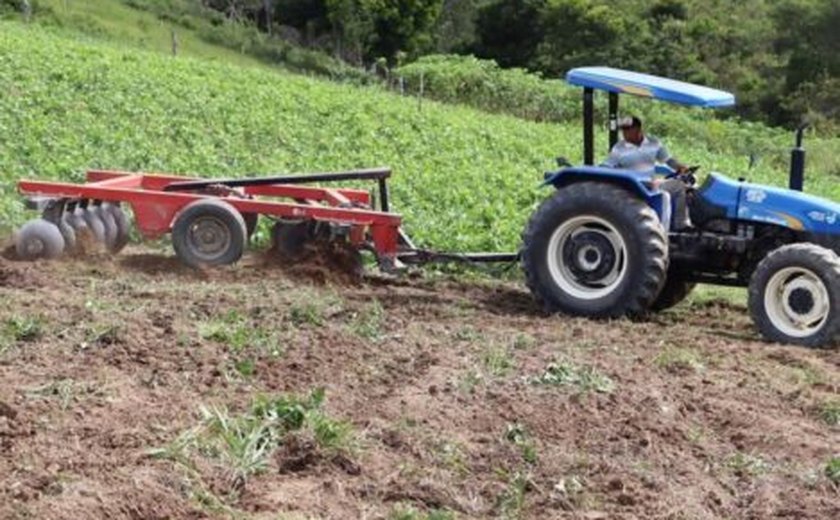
(122, 225)
(94, 224)
(108, 223)
(39, 239)
(67, 232)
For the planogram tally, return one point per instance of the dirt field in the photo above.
(135, 388)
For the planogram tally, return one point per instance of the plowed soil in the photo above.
(104, 362)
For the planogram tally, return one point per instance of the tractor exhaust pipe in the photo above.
(797, 161)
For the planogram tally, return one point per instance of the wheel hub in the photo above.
(800, 301)
(587, 257)
(590, 256)
(209, 236)
(797, 301)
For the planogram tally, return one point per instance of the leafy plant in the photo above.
(675, 359)
(516, 434)
(832, 470)
(243, 444)
(581, 378)
(829, 412)
(20, 329)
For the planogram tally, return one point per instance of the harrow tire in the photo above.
(39, 239)
(123, 227)
(794, 295)
(675, 290)
(209, 232)
(595, 249)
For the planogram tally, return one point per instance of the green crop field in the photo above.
(464, 179)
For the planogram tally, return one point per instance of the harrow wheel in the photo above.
(209, 232)
(39, 239)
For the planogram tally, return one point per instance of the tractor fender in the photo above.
(633, 181)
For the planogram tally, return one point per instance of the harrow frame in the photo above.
(156, 200)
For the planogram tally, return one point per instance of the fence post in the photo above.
(26, 8)
(422, 89)
(174, 43)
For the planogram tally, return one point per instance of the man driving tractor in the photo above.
(640, 152)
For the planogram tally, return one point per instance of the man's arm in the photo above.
(663, 156)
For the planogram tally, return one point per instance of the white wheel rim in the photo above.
(797, 302)
(587, 257)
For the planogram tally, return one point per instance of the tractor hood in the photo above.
(788, 208)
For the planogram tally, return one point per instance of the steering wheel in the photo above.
(687, 176)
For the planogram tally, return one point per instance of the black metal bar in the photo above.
(588, 126)
(423, 256)
(613, 119)
(373, 173)
(712, 279)
(797, 162)
(384, 204)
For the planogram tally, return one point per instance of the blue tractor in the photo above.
(602, 244)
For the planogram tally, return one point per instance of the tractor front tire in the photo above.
(794, 295)
(597, 250)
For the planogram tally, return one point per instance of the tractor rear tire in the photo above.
(794, 295)
(675, 290)
(597, 250)
(209, 232)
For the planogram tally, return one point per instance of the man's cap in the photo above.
(630, 122)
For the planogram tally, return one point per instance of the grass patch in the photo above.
(409, 512)
(20, 329)
(246, 340)
(65, 391)
(306, 314)
(511, 501)
(679, 360)
(832, 470)
(101, 335)
(747, 465)
(369, 322)
(497, 361)
(829, 412)
(581, 378)
(240, 333)
(242, 444)
(516, 434)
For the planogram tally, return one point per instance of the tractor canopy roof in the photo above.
(646, 85)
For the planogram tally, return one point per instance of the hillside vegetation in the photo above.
(464, 179)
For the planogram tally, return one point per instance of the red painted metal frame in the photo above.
(155, 210)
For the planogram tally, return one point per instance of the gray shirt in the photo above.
(642, 157)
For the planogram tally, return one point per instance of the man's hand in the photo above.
(681, 169)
